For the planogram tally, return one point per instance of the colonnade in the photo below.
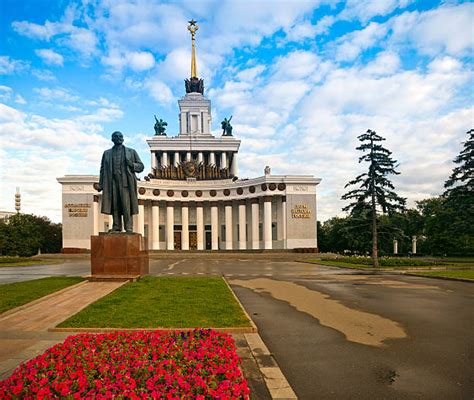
(210, 209)
(166, 158)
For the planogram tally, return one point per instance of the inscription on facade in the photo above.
(300, 211)
(77, 209)
(300, 188)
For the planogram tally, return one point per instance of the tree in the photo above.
(24, 234)
(459, 201)
(375, 192)
(461, 181)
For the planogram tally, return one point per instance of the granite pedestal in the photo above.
(118, 255)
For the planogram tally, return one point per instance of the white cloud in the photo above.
(365, 10)
(19, 99)
(159, 91)
(385, 63)
(5, 92)
(63, 32)
(10, 66)
(141, 60)
(447, 29)
(50, 57)
(250, 74)
(352, 44)
(296, 65)
(50, 94)
(36, 150)
(44, 75)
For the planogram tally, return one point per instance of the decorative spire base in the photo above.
(194, 85)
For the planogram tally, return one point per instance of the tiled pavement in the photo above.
(24, 334)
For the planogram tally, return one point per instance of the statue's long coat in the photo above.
(106, 179)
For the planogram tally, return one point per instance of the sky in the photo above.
(302, 79)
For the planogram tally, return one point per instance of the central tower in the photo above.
(194, 108)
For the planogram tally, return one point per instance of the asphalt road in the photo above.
(342, 334)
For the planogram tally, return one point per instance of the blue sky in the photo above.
(302, 80)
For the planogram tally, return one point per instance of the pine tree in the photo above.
(461, 181)
(458, 201)
(375, 190)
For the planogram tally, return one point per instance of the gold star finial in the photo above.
(193, 27)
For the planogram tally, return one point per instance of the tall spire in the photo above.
(193, 84)
(192, 27)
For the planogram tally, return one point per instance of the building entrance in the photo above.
(193, 245)
(208, 240)
(177, 240)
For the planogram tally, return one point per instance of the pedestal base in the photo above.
(118, 254)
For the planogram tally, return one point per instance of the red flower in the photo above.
(135, 365)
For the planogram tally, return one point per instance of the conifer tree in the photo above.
(461, 181)
(376, 191)
(458, 204)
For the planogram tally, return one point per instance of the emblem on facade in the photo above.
(190, 169)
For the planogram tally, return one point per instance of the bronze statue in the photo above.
(119, 183)
(160, 127)
(226, 127)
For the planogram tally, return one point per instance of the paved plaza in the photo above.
(337, 333)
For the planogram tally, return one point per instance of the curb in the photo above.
(48, 296)
(444, 278)
(276, 382)
(254, 327)
(161, 329)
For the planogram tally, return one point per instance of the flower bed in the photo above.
(201, 364)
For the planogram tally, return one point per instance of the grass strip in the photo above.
(332, 263)
(167, 302)
(16, 294)
(29, 263)
(464, 274)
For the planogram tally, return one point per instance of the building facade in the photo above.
(193, 198)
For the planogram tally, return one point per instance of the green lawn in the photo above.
(366, 266)
(16, 294)
(152, 302)
(466, 273)
(7, 261)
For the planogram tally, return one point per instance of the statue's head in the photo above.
(117, 137)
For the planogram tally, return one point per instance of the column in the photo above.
(176, 158)
(214, 226)
(223, 159)
(413, 245)
(154, 230)
(188, 156)
(267, 222)
(111, 221)
(141, 217)
(235, 167)
(153, 159)
(95, 213)
(200, 225)
(170, 225)
(284, 220)
(164, 159)
(228, 225)
(185, 225)
(200, 157)
(242, 225)
(255, 218)
(395, 246)
(212, 158)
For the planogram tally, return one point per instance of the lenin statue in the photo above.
(119, 183)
